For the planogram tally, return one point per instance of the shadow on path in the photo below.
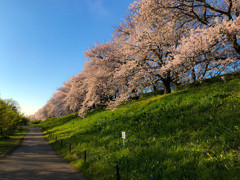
(36, 159)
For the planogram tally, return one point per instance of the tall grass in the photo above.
(192, 133)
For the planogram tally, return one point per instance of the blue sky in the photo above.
(42, 44)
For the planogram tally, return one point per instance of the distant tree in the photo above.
(77, 92)
(55, 107)
(10, 117)
(99, 70)
(12, 104)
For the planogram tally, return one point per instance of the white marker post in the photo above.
(124, 137)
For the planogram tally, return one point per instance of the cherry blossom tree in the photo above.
(99, 70)
(198, 23)
(56, 106)
(208, 50)
(159, 44)
(148, 43)
(77, 92)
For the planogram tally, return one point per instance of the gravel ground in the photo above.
(36, 159)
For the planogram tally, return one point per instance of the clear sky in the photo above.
(42, 44)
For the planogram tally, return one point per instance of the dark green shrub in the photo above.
(36, 121)
(154, 93)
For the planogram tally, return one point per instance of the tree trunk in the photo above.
(193, 74)
(235, 44)
(177, 84)
(154, 88)
(167, 86)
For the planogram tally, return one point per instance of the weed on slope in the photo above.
(192, 133)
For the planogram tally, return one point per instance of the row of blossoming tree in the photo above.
(159, 45)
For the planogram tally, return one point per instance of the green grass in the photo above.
(8, 144)
(192, 133)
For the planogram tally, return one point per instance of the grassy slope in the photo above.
(193, 133)
(8, 144)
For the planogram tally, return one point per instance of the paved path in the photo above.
(35, 159)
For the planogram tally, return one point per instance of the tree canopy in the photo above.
(159, 45)
(10, 116)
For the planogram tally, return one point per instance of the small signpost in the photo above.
(118, 175)
(124, 137)
(85, 156)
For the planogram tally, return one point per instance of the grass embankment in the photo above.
(193, 133)
(8, 144)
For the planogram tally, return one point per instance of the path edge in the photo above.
(61, 157)
(9, 153)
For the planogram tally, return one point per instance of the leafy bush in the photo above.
(154, 93)
(36, 121)
(10, 117)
